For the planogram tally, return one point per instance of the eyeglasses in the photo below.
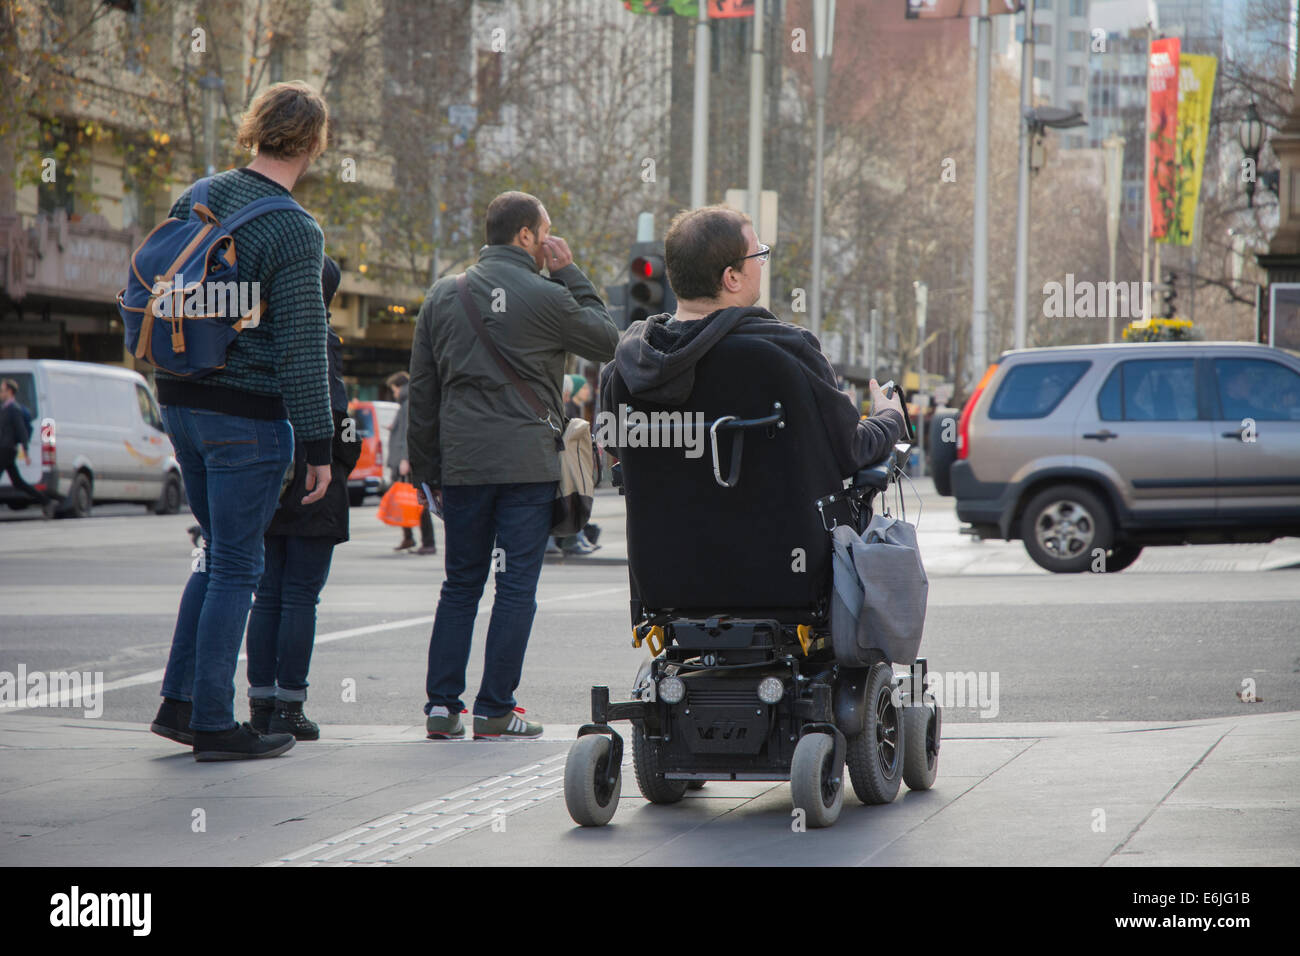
(763, 255)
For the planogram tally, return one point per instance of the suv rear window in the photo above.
(1034, 390)
(1257, 388)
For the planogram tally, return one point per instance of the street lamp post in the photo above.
(211, 85)
(823, 34)
(700, 132)
(922, 304)
(1251, 137)
(980, 239)
(1022, 199)
(1114, 180)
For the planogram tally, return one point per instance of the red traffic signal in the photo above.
(647, 267)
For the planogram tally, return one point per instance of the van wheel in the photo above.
(80, 499)
(169, 502)
(1062, 528)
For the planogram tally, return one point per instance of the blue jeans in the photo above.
(282, 624)
(232, 468)
(516, 520)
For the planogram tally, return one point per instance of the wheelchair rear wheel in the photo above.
(875, 756)
(590, 800)
(649, 771)
(811, 789)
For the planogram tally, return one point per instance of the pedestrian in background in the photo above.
(231, 429)
(577, 392)
(15, 435)
(299, 546)
(401, 470)
(490, 458)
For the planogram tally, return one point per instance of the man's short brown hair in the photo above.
(510, 212)
(398, 379)
(10, 384)
(286, 120)
(700, 245)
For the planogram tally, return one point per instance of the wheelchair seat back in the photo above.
(758, 548)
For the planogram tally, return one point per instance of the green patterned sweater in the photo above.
(280, 368)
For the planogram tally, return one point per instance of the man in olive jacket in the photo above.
(487, 457)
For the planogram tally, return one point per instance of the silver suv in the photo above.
(1089, 453)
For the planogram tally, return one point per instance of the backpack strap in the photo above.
(260, 207)
(199, 192)
(523, 388)
(199, 208)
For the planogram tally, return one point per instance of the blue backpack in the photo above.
(183, 303)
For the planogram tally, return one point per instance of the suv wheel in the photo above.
(942, 453)
(1063, 526)
(1122, 557)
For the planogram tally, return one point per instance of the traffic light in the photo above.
(1169, 294)
(648, 292)
(616, 301)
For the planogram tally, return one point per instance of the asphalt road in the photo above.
(100, 595)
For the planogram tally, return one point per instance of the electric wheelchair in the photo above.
(730, 567)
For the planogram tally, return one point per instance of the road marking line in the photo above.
(76, 698)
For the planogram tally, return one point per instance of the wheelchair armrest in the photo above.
(877, 476)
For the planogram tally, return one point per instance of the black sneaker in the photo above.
(173, 721)
(289, 719)
(239, 743)
(260, 712)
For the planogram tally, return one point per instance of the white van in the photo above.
(97, 436)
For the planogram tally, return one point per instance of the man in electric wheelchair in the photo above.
(730, 555)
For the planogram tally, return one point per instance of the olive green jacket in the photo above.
(467, 423)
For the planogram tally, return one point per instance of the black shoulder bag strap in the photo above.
(524, 389)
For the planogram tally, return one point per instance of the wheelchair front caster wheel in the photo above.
(920, 746)
(591, 801)
(811, 774)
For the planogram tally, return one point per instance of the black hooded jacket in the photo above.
(328, 517)
(656, 359)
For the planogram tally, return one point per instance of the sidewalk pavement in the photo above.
(946, 551)
(1210, 792)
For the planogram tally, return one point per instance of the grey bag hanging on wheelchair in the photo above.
(880, 593)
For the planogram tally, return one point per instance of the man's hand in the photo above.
(26, 460)
(557, 254)
(318, 480)
(404, 468)
(879, 402)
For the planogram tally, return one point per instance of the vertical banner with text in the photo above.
(1195, 97)
(1162, 128)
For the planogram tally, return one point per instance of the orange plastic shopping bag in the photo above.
(400, 507)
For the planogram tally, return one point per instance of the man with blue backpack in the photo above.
(233, 417)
